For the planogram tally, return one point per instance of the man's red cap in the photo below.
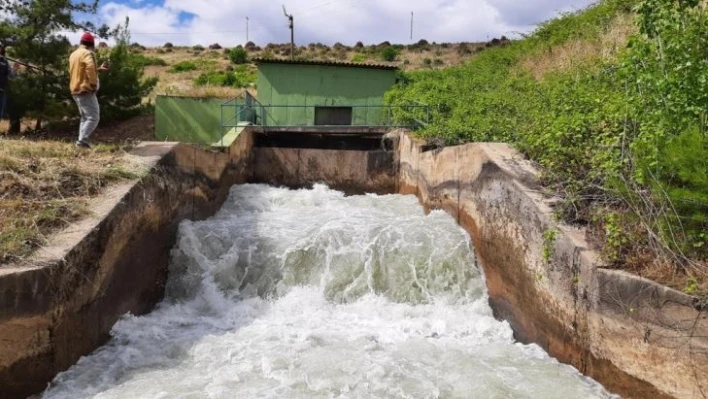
(87, 37)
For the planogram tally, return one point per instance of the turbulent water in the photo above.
(307, 294)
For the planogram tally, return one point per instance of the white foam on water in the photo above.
(311, 294)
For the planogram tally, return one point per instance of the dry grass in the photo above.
(45, 186)
(182, 84)
(637, 253)
(581, 53)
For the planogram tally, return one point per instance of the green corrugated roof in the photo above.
(325, 63)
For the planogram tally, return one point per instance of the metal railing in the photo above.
(247, 110)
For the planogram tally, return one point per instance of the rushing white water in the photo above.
(301, 294)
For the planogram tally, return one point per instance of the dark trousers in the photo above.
(3, 99)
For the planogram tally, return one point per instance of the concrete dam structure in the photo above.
(194, 215)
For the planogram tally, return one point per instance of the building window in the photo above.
(325, 116)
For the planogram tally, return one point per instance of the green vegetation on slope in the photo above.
(241, 76)
(619, 130)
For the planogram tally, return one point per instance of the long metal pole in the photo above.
(291, 21)
(411, 25)
(292, 37)
(247, 29)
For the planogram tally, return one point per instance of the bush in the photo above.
(198, 47)
(143, 61)
(184, 66)
(123, 86)
(242, 77)
(215, 46)
(389, 54)
(463, 49)
(238, 55)
(359, 58)
(630, 131)
(168, 45)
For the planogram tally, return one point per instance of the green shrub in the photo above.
(359, 58)
(389, 54)
(183, 66)
(124, 86)
(243, 76)
(630, 132)
(238, 55)
(143, 61)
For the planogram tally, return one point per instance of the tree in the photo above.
(238, 55)
(122, 86)
(30, 31)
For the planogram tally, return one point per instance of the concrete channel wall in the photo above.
(637, 338)
(61, 304)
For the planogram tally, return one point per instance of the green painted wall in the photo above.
(321, 85)
(188, 120)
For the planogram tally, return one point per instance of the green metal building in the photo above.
(310, 93)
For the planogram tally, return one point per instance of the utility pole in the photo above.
(247, 30)
(411, 26)
(291, 22)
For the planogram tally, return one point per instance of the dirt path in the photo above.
(141, 128)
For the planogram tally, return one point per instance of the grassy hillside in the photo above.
(210, 72)
(612, 103)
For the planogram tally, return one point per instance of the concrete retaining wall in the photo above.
(349, 171)
(637, 338)
(62, 304)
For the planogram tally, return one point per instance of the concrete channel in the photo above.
(637, 338)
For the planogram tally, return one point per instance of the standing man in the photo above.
(84, 85)
(5, 74)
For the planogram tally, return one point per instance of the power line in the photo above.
(315, 8)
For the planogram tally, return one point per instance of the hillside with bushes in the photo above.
(216, 71)
(612, 104)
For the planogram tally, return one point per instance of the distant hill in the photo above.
(207, 71)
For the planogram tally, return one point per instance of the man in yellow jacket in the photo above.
(84, 85)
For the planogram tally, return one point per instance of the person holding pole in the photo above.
(6, 73)
(84, 85)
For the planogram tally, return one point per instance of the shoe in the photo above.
(83, 144)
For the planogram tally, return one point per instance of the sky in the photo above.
(191, 22)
